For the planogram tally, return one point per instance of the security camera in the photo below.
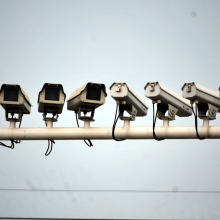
(14, 100)
(86, 99)
(206, 99)
(166, 99)
(128, 101)
(51, 99)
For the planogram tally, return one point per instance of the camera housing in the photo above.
(51, 99)
(205, 98)
(167, 100)
(86, 99)
(128, 101)
(14, 100)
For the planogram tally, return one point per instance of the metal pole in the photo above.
(12, 124)
(102, 133)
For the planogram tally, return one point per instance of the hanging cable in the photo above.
(50, 144)
(114, 124)
(12, 141)
(88, 144)
(154, 123)
(196, 121)
(4, 145)
(20, 123)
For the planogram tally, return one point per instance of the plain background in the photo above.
(75, 42)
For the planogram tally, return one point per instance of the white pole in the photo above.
(102, 133)
(12, 124)
(49, 124)
(166, 123)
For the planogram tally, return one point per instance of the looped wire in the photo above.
(12, 141)
(88, 144)
(114, 125)
(196, 121)
(50, 143)
(154, 123)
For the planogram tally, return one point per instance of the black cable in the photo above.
(154, 123)
(50, 143)
(4, 145)
(20, 122)
(114, 124)
(12, 141)
(116, 113)
(88, 144)
(196, 122)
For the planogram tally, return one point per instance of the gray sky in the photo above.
(75, 42)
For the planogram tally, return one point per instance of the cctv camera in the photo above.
(206, 99)
(167, 100)
(128, 101)
(86, 99)
(14, 100)
(51, 99)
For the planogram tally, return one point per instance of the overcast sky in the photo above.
(75, 42)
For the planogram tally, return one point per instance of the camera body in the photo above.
(14, 99)
(128, 100)
(207, 99)
(87, 98)
(167, 100)
(195, 92)
(51, 98)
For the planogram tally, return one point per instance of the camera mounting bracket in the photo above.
(133, 113)
(85, 118)
(53, 119)
(162, 108)
(20, 114)
(203, 108)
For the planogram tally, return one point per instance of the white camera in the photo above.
(86, 99)
(51, 99)
(206, 99)
(14, 100)
(167, 100)
(128, 101)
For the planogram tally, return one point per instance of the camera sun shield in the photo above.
(14, 100)
(86, 99)
(51, 98)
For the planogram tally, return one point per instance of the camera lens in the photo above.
(52, 94)
(11, 94)
(93, 93)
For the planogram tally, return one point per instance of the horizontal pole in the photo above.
(105, 133)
